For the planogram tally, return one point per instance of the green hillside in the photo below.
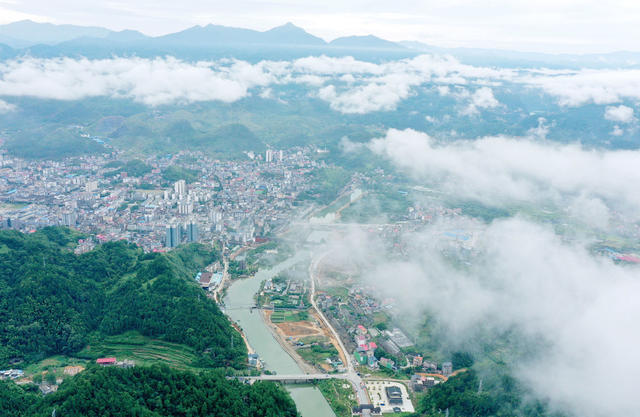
(51, 143)
(52, 301)
(148, 391)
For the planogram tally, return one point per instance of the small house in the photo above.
(106, 361)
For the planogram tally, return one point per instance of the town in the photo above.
(334, 324)
(160, 202)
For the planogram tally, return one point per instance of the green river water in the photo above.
(239, 298)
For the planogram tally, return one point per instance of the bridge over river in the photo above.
(351, 377)
(292, 379)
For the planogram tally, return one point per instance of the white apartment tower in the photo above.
(180, 187)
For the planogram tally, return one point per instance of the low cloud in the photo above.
(482, 98)
(6, 107)
(347, 84)
(621, 114)
(153, 82)
(541, 130)
(382, 94)
(617, 131)
(503, 171)
(575, 310)
(589, 86)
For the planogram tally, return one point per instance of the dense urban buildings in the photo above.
(149, 203)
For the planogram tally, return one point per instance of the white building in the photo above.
(91, 186)
(180, 187)
(185, 207)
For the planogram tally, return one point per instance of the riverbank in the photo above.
(238, 299)
(244, 337)
(277, 334)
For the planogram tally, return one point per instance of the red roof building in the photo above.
(205, 279)
(629, 258)
(106, 361)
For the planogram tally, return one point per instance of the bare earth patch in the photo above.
(297, 329)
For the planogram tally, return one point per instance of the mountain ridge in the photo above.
(284, 42)
(27, 33)
(15, 36)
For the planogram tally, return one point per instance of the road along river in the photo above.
(239, 298)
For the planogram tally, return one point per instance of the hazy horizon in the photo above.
(558, 27)
(459, 223)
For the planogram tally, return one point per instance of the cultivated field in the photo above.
(141, 349)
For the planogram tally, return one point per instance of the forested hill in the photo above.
(150, 392)
(498, 395)
(51, 300)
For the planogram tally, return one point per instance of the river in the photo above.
(240, 295)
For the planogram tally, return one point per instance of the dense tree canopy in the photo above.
(133, 168)
(464, 395)
(51, 299)
(51, 143)
(150, 392)
(15, 401)
(174, 173)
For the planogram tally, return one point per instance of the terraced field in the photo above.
(130, 345)
(143, 350)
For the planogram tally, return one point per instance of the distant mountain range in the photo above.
(25, 34)
(27, 38)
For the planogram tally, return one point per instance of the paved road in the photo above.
(296, 377)
(352, 377)
(351, 374)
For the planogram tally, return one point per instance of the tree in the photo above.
(51, 299)
(50, 378)
(462, 360)
(148, 391)
(161, 391)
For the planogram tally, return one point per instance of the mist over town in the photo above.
(272, 209)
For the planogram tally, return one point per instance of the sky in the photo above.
(555, 26)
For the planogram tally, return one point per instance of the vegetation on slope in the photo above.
(133, 168)
(15, 400)
(174, 173)
(328, 183)
(339, 395)
(464, 395)
(151, 392)
(52, 300)
(51, 144)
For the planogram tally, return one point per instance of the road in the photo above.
(217, 293)
(352, 377)
(290, 378)
(351, 374)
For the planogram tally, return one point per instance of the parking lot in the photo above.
(378, 396)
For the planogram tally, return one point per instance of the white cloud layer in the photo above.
(579, 310)
(153, 82)
(590, 86)
(484, 98)
(621, 114)
(502, 171)
(575, 310)
(6, 107)
(347, 84)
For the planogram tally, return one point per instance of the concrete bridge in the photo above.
(291, 379)
(365, 408)
(245, 307)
